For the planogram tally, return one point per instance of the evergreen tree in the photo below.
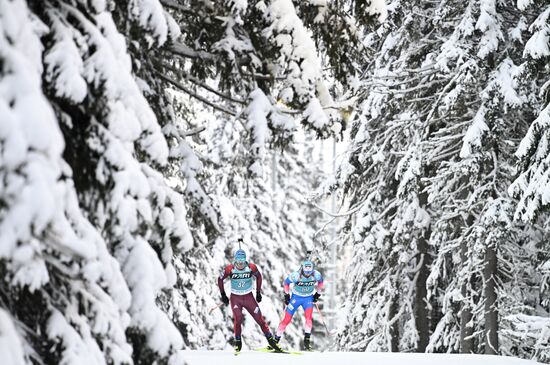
(97, 226)
(445, 155)
(388, 222)
(533, 152)
(63, 289)
(530, 185)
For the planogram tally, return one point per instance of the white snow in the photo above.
(297, 47)
(541, 123)
(533, 183)
(10, 344)
(44, 228)
(408, 168)
(523, 4)
(78, 348)
(347, 358)
(378, 7)
(262, 116)
(64, 65)
(474, 134)
(453, 48)
(315, 113)
(515, 33)
(538, 45)
(489, 25)
(231, 44)
(506, 79)
(152, 17)
(111, 65)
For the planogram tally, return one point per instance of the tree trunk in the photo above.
(466, 327)
(420, 304)
(491, 313)
(394, 328)
(395, 299)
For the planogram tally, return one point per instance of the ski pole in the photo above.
(322, 319)
(284, 311)
(214, 308)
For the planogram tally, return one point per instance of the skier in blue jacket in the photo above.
(307, 284)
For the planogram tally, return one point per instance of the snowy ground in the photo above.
(346, 358)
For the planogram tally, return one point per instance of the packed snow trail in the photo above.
(345, 358)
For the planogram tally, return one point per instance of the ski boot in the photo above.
(237, 344)
(273, 344)
(276, 339)
(307, 342)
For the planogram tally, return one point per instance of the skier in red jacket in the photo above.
(241, 274)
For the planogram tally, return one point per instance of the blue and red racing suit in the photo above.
(303, 289)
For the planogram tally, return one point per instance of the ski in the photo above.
(268, 350)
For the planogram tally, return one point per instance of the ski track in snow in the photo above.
(204, 357)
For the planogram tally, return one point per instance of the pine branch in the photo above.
(195, 131)
(199, 83)
(174, 5)
(185, 51)
(197, 96)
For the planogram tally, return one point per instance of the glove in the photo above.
(316, 297)
(225, 299)
(258, 296)
(287, 299)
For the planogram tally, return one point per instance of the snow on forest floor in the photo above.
(204, 357)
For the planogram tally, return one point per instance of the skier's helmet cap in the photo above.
(307, 267)
(240, 258)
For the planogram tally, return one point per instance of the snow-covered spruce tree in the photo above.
(63, 290)
(531, 184)
(484, 263)
(87, 292)
(388, 223)
(422, 118)
(184, 170)
(183, 165)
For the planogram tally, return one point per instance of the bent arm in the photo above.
(320, 283)
(225, 273)
(258, 275)
(286, 284)
(320, 286)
